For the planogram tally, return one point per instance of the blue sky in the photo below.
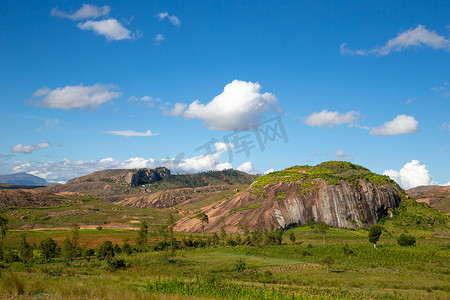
(94, 85)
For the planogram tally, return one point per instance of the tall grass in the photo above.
(12, 284)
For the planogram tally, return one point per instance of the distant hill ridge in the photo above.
(119, 184)
(22, 179)
(338, 193)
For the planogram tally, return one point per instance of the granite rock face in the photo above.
(143, 176)
(347, 204)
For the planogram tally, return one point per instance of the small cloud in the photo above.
(411, 175)
(248, 168)
(345, 51)
(110, 28)
(50, 123)
(443, 149)
(132, 99)
(445, 126)
(177, 110)
(341, 155)
(417, 37)
(131, 133)
(6, 156)
(159, 37)
(77, 96)
(27, 149)
(87, 11)
(173, 19)
(329, 119)
(401, 124)
(411, 100)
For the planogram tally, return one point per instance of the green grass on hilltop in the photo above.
(333, 172)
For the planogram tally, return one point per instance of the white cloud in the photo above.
(329, 119)
(131, 133)
(50, 123)
(238, 107)
(417, 37)
(445, 126)
(345, 51)
(27, 149)
(402, 124)
(77, 96)
(247, 167)
(411, 100)
(341, 155)
(177, 110)
(159, 37)
(173, 19)
(411, 175)
(41, 92)
(66, 169)
(87, 11)
(269, 171)
(110, 28)
(441, 88)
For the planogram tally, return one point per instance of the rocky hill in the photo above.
(22, 179)
(151, 187)
(341, 194)
(438, 197)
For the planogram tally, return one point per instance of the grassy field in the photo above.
(307, 264)
(292, 269)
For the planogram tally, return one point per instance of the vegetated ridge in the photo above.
(31, 198)
(438, 197)
(22, 179)
(341, 194)
(151, 187)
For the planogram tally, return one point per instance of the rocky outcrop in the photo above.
(169, 198)
(348, 204)
(144, 176)
(125, 176)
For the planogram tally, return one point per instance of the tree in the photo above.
(25, 251)
(141, 239)
(322, 228)
(327, 261)
(374, 234)
(106, 251)
(204, 219)
(75, 235)
(49, 248)
(68, 250)
(3, 228)
(126, 247)
(292, 237)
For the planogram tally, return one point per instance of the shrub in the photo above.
(11, 256)
(347, 250)
(292, 237)
(115, 264)
(106, 251)
(406, 240)
(240, 265)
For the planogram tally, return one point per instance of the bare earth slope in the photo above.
(338, 193)
(438, 197)
(31, 198)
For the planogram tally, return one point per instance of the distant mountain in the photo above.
(22, 179)
(438, 197)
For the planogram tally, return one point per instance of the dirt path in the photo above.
(106, 226)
